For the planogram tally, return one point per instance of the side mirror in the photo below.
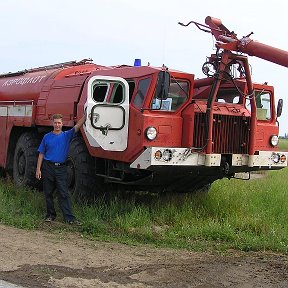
(279, 107)
(163, 84)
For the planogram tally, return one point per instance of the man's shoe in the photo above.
(49, 219)
(74, 222)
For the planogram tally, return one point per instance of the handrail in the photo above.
(16, 102)
(49, 67)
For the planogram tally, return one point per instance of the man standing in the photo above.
(53, 152)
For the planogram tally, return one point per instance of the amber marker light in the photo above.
(283, 158)
(158, 155)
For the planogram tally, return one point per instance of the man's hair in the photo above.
(57, 116)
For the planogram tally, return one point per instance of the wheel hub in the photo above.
(21, 164)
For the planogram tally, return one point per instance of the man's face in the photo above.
(57, 124)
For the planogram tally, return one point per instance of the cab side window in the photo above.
(263, 105)
(131, 89)
(111, 91)
(142, 90)
(117, 94)
(100, 92)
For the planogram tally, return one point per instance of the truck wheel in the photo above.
(200, 189)
(83, 184)
(204, 189)
(186, 185)
(25, 160)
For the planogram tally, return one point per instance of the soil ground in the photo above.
(46, 259)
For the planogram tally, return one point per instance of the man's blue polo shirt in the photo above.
(55, 147)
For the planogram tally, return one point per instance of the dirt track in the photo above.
(41, 259)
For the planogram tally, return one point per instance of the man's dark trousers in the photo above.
(55, 176)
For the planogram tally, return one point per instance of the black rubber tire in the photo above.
(25, 160)
(201, 184)
(203, 189)
(83, 184)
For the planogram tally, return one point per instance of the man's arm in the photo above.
(80, 123)
(39, 164)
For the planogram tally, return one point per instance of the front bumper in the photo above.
(165, 156)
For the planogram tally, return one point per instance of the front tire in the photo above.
(25, 160)
(199, 184)
(83, 184)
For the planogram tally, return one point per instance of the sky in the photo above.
(112, 32)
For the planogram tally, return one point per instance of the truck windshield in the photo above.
(228, 96)
(177, 95)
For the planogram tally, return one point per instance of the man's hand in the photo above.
(80, 122)
(39, 163)
(38, 174)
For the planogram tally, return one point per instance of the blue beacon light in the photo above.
(137, 62)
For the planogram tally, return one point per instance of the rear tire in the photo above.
(25, 160)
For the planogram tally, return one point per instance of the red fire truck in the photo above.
(147, 127)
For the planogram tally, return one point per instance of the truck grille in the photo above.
(230, 133)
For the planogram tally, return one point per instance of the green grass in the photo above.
(244, 215)
(283, 144)
(19, 207)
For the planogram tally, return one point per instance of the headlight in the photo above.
(274, 140)
(275, 157)
(151, 133)
(167, 155)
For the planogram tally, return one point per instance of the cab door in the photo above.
(108, 113)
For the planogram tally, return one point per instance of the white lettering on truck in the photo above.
(23, 81)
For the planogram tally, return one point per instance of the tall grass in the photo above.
(249, 215)
(244, 215)
(19, 207)
(283, 144)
